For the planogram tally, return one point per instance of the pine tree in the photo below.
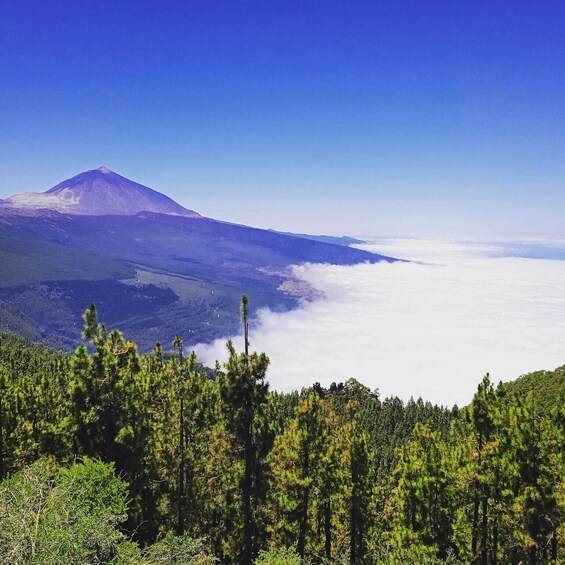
(483, 425)
(180, 524)
(244, 395)
(296, 474)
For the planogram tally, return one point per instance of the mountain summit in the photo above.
(100, 192)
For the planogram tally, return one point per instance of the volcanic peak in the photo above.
(100, 192)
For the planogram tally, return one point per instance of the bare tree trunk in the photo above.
(181, 470)
(303, 523)
(328, 529)
(247, 510)
(484, 529)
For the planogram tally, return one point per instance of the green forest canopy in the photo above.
(123, 458)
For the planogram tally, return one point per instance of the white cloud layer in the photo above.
(430, 328)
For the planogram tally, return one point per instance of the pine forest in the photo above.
(109, 456)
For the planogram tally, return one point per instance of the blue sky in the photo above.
(389, 118)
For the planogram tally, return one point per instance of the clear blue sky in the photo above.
(392, 118)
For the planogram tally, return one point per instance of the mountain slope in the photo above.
(99, 192)
(337, 240)
(546, 387)
(151, 274)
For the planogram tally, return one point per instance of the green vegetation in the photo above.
(107, 456)
(547, 388)
(56, 515)
(149, 274)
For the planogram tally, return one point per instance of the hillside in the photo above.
(547, 388)
(149, 273)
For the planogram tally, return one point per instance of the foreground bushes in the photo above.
(54, 516)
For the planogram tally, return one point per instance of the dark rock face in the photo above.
(100, 192)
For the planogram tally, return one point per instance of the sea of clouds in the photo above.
(431, 327)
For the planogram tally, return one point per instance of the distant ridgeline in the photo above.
(151, 265)
(109, 456)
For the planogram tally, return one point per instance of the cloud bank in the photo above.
(430, 328)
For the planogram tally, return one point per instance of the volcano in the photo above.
(152, 267)
(100, 192)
